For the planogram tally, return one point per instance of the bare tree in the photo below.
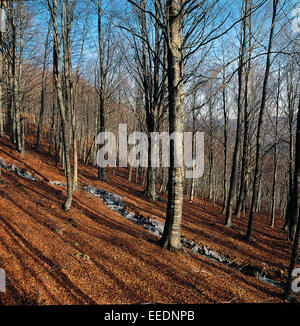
(63, 103)
(296, 210)
(2, 7)
(275, 155)
(102, 111)
(44, 73)
(233, 178)
(257, 171)
(172, 230)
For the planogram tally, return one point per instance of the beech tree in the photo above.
(233, 178)
(295, 213)
(2, 7)
(257, 175)
(183, 24)
(44, 74)
(64, 102)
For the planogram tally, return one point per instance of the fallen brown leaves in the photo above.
(42, 248)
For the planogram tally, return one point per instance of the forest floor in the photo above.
(93, 255)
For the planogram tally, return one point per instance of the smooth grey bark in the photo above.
(172, 229)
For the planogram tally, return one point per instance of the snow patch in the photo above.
(269, 281)
(58, 183)
(113, 201)
(15, 169)
(116, 203)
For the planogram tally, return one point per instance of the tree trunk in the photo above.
(233, 178)
(295, 226)
(225, 177)
(245, 153)
(289, 209)
(102, 113)
(274, 184)
(65, 120)
(172, 229)
(163, 185)
(257, 172)
(1, 77)
(193, 180)
(41, 117)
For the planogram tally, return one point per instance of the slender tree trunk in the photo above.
(150, 191)
(296, 213)
(233, 178)
(1, 77)
(163, 186)
(259, 128)
(130, 174)
(102, 113)
(75, 167)
(65, 121)
(1, 72)
(211, 156)
(225, 177)
(244, 164)
(245, 151)
(274, 184)
(192, 181)
(53, 118)
(17, 73)
(9, 60)
(289, 209)
(41, 117)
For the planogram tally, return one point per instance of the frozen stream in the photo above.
(116, 203)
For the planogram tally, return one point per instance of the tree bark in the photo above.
(172, 229)
(102, 114)
(295, 226)
(257, 172)
(41, 117)
(64, 113)
(225, 115)
(1, 76)
(233, 178)
(274, 181)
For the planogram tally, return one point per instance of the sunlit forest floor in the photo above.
(93, 255)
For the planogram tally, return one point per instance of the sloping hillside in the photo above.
(93, 255)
